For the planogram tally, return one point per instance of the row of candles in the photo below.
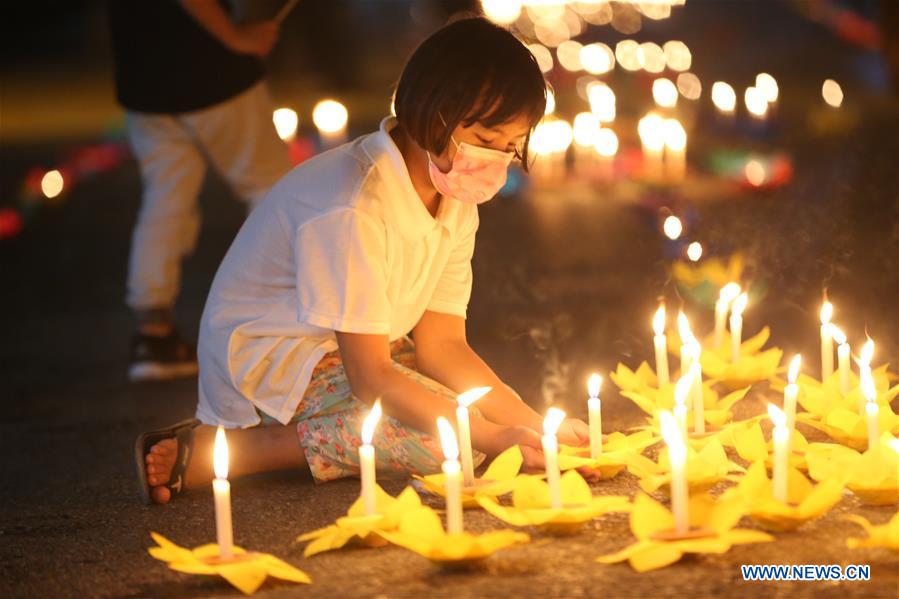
(458, 465)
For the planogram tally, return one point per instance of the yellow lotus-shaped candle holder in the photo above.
(358, 527)
(819, 398)
(847, 427)
(658, 545)
(531, 504)
(716, 408)
(617, 451)
(805, 501)
(873, 476)
(498, 479)
(749, 442)
(421, 531)
(886, 535)
(714, 271)
(246, 570)
(642, 379)
(705, 467)
(754, 364)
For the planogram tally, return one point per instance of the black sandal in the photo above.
(183, 433)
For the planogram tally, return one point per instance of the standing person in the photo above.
(192, 83)
(307, 320)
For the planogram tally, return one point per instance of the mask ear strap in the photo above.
(455, 143)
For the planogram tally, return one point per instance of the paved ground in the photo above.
(564, 285)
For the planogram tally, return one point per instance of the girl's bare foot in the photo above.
(161, 460)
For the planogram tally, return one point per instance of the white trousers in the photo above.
(237, 138)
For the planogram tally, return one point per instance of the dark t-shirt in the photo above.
(165, 62)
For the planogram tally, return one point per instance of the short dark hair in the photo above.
(469, 71)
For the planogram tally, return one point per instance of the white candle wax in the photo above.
(791, 392)
(720, 321)
(826, 352)
(221, 492)
(696, 396)
(686, 360)
(465, 445)
(866, 382)
(452, 472)
(553, 476)
(843, 362)
(367, 476)
(661, 347)
(594, 407)
(736, 336)
(677, 456)
(781, 452)
(872, 410)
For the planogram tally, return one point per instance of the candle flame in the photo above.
(826, 312)
(729, 293)
(472, 395)
(553, 420)
(894, 445)
(658, 321)
(756, 101)
(682, 388)
(740, 304)
(795, 364)
(768, 85)
(671, 432)
(832, 92)
(220, 454)
(675, 135)
(867, 353)
(867, 385)
(448, 439)
(837, 334)
(606, 142)
(683, 328)
(594, 383)
(370, 422)
(651, 129)
(52, 183)
(776, 415)
(664, 92)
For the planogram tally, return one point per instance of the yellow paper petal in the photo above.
(530, 492)
(247, 577)
(506, 465)
(280, 569)
(575, 489)
(654, 556)
(649, 516)
(821, 498)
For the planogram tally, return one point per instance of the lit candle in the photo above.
(367, 459)
(864, 369)
(696, 390)
(871, 408)
(686, 337)
(606, 146)
(286, 122)
(465, 400)
(554, 418)
(736, 325)
(677, 455)
(651, 130)
(330, 118)
(675, 151)
(781, 437)
(661, 346)
(724, 98)
(756, 103)
(842, 358)
(681, 393)
(791, 391)
(452, 472)
(221, 492)
(585, 131)
(826, 341)
(727, 294)
(594, 408)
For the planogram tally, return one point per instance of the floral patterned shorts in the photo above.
(329, 423)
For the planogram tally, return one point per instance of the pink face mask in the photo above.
(476, 174)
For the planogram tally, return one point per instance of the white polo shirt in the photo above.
(342, 243)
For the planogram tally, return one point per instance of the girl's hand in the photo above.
(574, 432)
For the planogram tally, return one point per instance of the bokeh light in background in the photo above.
(606, 142)
(694, 251)
(672, 227)
(286, 122)
(677, 56)
(597, 58)
(330, 116)
(602, 101)
(664, 93)
(768, 85)
(756, 102)
(543, 56)
(755, 172)
(689, 86)
(724, 97)
(52, 184)
(832, 93)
